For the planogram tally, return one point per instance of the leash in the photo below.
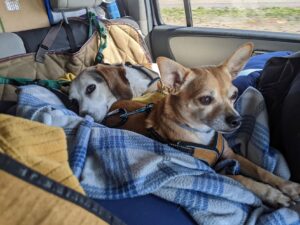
(95, 21)
(124, 115)
(53, 84)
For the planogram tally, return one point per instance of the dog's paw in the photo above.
(275, 198)
(291, 189)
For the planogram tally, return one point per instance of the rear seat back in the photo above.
(25, 15)
(65, 5)
(33, 38)
(71, 8)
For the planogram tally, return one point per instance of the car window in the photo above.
(260, 15)
(172, 12)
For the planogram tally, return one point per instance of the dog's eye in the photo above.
(89, 89)
(205, 100)
(234, 95)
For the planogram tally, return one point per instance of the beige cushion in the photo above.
(60, 5)
(31, 15)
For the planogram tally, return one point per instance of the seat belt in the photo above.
(70, 37)
(47, 42)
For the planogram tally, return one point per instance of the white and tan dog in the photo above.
(98, 87)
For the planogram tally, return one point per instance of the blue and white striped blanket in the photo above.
(116, 164)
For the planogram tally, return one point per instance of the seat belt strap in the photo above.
(47, 42)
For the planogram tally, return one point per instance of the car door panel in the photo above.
(193, 46)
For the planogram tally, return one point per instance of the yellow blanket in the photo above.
(39, 147)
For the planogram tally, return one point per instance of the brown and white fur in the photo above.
(98, 87)
(200, 104)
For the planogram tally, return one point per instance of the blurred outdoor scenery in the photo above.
(263, 15)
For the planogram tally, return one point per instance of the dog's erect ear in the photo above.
(116, 80)
(239, 58)
(173, 75)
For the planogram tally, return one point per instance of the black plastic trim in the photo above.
(219, 32)
(156, 10)
(188, 13)
(149, 15)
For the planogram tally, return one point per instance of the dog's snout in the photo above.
(233, 121)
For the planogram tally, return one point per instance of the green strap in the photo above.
(94, 21)
(54, 84)
(1, 26)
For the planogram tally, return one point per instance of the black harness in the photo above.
(153, 76)
(123, 114)
(210, 154)
(213, 151)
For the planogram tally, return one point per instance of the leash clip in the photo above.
(41, 52)
(36, 81)
(149, 107)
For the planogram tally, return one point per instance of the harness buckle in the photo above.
(36, 81)
(149, 107)
(40, 54)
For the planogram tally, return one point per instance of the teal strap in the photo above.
(1, 26)
(54, 84)
(94, 21)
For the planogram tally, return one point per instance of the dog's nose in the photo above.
(233, 121)
(83, 113)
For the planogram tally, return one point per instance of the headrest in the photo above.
(11, 44)
(65, 5)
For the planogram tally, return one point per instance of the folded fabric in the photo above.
(252, 138)
(252, 70)
(27, 197)
(40, 147)
(118, 164)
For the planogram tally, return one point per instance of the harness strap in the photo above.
(123, 114)
(152, 75)
(54, 84)
(153, 81)
(47, 43)
(94, 21)
(207, 153)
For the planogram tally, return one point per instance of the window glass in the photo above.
(262, 15)
(172, 12)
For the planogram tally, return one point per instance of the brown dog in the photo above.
(199, 106)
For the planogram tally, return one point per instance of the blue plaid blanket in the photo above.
(116, 164)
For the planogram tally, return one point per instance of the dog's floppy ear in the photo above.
(116, 80)
(173, 75)
(239, 58)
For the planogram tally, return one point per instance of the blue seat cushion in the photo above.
(148, 210)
